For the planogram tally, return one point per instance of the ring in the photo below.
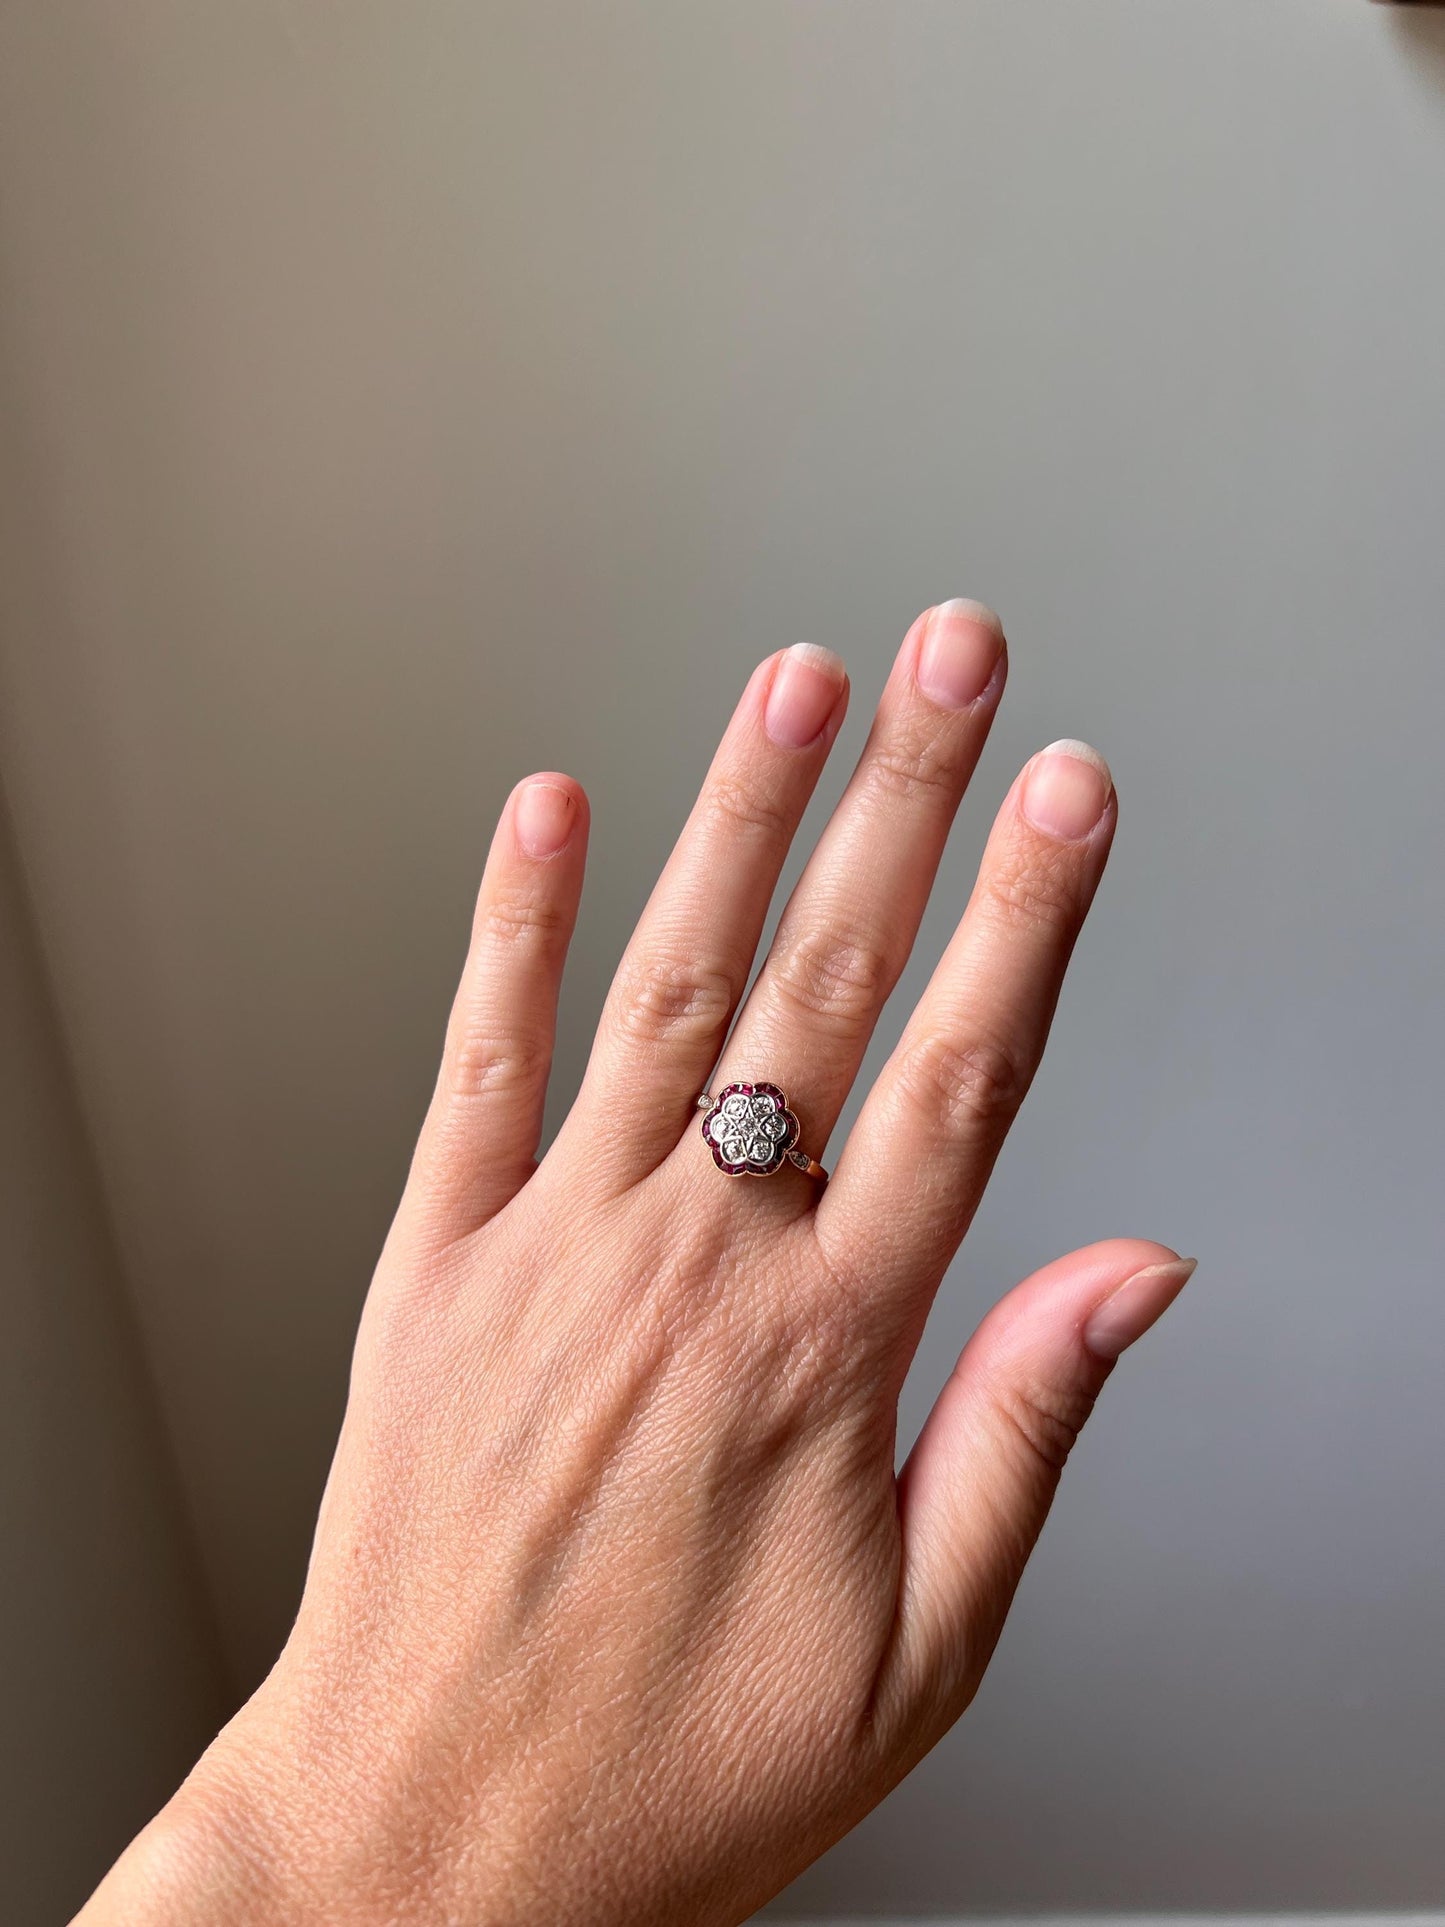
(752, 1133)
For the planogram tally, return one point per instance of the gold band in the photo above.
(810, 1165)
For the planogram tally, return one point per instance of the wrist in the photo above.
(242, 1843)
(190, 1864)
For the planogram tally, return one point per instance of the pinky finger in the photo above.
(478, 1145)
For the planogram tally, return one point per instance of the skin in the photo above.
(617, 1612)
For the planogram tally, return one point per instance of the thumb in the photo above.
(977, 1486)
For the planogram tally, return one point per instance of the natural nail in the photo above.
(1128, 1312)
(806, 686)
(962, 642)
(544, 817)
(1066, 790)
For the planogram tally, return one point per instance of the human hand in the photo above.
(617, 1612)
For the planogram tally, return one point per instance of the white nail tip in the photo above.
(967, 610)
(1081, 752)
(819, 657)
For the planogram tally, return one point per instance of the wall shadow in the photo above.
(1420, 31)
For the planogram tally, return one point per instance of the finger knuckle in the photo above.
(963, 1087)
(836, 976)
(481, 1064)
(741, 804)
(1038, 889)
(517, 917)
(664, 999)
(1043, 1419)
(913, 769)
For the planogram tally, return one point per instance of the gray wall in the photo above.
(112, 1677)
(405, 395)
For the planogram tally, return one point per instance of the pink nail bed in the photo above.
(806, 686)
(962, 642)
(543, 819)
(1066, 790)
(1141, 1301)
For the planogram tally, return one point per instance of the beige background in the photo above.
(398, 397)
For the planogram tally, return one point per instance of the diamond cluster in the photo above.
(750, 1129)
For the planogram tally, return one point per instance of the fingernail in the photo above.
(543, 819)
(962, 643)
(806, 686)
(1128, 1312)
(1066, 790)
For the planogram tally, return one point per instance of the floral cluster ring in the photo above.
(752, 1133)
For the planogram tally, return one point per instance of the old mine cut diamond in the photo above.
(750, 1129)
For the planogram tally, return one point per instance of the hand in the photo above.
(617, 1612)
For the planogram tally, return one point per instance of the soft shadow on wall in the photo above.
(1420, 26)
